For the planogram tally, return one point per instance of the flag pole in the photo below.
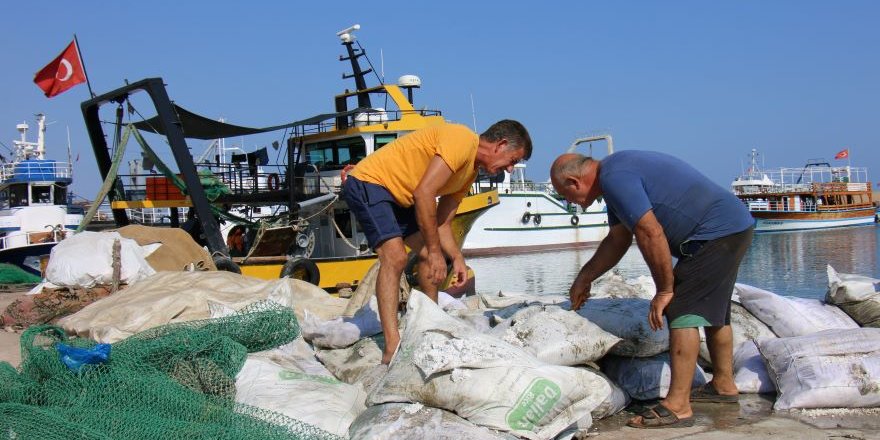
(83, 63)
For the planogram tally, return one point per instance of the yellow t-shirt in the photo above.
(400, 165)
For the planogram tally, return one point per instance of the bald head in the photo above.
(575, 177)
(572, 165)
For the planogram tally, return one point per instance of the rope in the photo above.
(109, 181)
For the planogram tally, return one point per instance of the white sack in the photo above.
(445, 363)
(501, 300)
(86, 259)
(645, 378)
(828, 369)
(479, 319)
(627, 318)
(857, 295)
(612, 285)
(788, 316)
(342, 331)
(555, 335)
(320, 401)
(749, 371)
(392, 421)
(614, 403)
(296, 355)
(168, 297)
(351, 363)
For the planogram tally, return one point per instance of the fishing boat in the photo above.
(531, 217)
(815, 196)
(281, 220)
(35, 208)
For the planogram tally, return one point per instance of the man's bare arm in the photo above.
(610, 251)
(651, 240)
(425, 199)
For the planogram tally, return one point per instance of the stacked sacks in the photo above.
(857, 295)
(827, 369)
(822, 358)
(447, 364)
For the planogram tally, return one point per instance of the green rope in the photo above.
(109, 181)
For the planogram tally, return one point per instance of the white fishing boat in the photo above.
(815, 196)
(531, 217)
(35, 209)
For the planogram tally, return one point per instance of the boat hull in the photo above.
(27, 257)
(534, 222)
(347, 271)
(795, 221)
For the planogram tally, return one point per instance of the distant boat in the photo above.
(35, 212)
(531, 217)
(815, 196)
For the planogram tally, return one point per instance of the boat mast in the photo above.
(347, 37)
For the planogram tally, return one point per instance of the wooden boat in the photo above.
(815, 196)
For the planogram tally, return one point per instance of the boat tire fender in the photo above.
(537, 219)
(575, 220)
(272, 182)
(225, 263)
(526, 217)
(301, 269)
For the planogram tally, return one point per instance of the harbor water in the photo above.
(788, 263)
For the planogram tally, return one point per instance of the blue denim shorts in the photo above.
(377, 212)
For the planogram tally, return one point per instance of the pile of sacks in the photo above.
(506, 365)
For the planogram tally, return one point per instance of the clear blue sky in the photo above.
(704, 81)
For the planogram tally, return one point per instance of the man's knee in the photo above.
(394, 261)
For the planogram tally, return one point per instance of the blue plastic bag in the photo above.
(76, 358)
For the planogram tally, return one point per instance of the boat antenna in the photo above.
(347, 37)
(382, 61)
(69, 160)
(473, 112)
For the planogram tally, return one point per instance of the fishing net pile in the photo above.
(173, 381)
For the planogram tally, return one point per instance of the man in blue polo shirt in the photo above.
(673, 211)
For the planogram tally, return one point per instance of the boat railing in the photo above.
(50, 235)
(515, 187)
(369, 118)
(28, 171)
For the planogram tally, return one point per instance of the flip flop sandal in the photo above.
(707, 393)
(660, 417)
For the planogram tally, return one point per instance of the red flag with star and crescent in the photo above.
(62, 73)
(843, 154)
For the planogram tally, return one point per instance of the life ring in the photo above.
(537, 219)
(575, 220)
(526, 217)
(272, 182)
(301, 269)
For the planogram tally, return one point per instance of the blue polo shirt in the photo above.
(688, 205)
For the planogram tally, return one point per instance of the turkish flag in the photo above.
(62, 73)
(843, 154)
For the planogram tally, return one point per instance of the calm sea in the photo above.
(787, 263)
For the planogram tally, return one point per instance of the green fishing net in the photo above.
(171, 382)
(12, 274)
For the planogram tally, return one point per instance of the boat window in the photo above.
(383, 140)
(334, 155)
(18, 195)
(60, 195)
(41, 194)
(4, 199)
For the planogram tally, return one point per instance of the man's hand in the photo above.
(579, 292)
(436, 267)
(658, 306)
(459, 269)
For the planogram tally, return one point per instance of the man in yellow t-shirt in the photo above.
(393, 194)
